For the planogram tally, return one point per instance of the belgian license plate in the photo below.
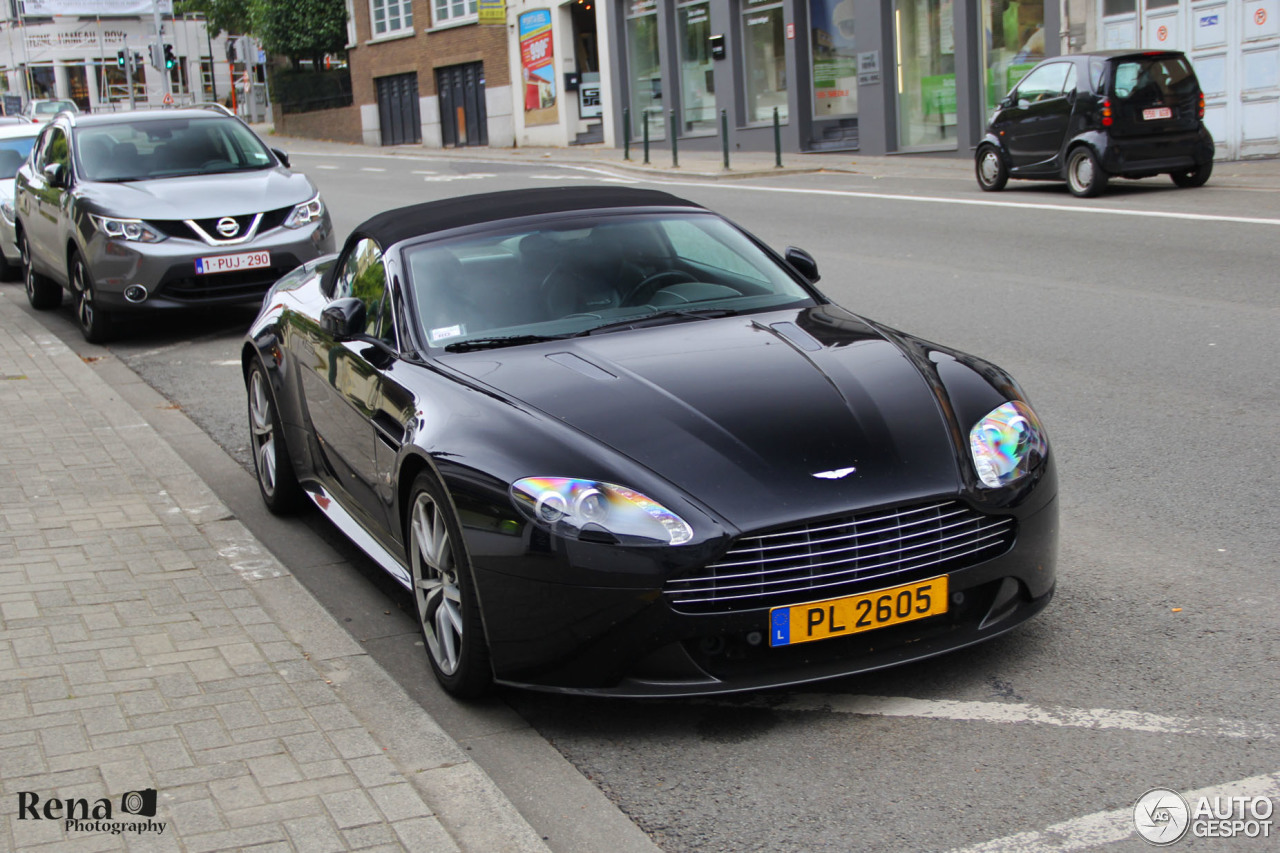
(839, 617)
(231, 263)
(1156, 113)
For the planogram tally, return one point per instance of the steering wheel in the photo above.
(644, 291)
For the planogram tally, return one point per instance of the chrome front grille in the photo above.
(842, 556)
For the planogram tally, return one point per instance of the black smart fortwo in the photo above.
(1086, 118)
(612, 443)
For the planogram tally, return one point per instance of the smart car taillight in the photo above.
(1200, 108)
(1106, 113)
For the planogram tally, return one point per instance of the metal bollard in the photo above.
(626, 133)
(724, 136)
(646, 137)
(777, 141)
(675, 142)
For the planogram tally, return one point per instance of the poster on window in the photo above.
(537, 68)
(835, 58)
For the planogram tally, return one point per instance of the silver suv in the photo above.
(160, 209)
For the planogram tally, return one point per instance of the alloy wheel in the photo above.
(435, 583)
(263, 428)
(84, 296)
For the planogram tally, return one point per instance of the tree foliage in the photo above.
(299, 29)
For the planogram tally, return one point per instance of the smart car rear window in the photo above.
(1153, 78)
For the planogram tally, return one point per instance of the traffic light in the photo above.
(157, 55)
(121, 59)
(169, 59)
(137, 62)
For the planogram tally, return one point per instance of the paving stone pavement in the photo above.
(148, 641)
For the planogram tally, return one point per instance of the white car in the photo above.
(40, 111)
(16, 141)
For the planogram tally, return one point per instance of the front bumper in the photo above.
(167, 269)
(630, 642)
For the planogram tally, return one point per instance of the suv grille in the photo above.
(179, 228)
(839, 556)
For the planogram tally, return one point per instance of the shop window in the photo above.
(697, 78)
(925, 47)
(644, 69)
(454, 11)
(765, 55)
(1014, 36)
(391, 17)
(835, 58)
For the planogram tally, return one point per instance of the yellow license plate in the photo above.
(839, 617)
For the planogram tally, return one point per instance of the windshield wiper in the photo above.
(659, 317)
(495, 343)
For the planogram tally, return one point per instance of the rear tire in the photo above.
(42, 292)
(277, 481)
(1194, 177)
(444, 593)
(1085, 177)
(990, 169)
(95, 323)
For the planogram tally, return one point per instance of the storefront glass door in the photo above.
(644, 69)
(925, 48)
(1014, 41)
(697, 79)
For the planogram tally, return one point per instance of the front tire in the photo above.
(277, 481)
(1085, 177)
(94, 321)
(43, 292)
(444, 593)
(1193, 177)
(991, 170)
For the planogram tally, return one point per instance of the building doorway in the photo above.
(463, 118)
(398, 117)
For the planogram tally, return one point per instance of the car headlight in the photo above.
(1007, 444)
(578, 508)
(305, 213)
(132, 230)
(6, 210)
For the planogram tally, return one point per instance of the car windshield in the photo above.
(53, 107)
(591, 274)
(166, 148)
(1153, 78)
(13, 152)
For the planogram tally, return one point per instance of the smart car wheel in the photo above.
(95, 323)
(1085, 177)
(444, 593)
(992, 174)
(1195, 177)
(277, 482)
(42, 292)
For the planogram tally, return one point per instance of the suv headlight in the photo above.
(132, 230)
(1007, 444)
(305, 213)
(580, 508)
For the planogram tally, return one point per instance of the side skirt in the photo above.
(351, 528)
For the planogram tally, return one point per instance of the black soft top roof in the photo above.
(392, 226)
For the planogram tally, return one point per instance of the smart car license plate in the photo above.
(231, 263)
(1157, 112)
(838, 617)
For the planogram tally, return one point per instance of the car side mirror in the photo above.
(55, 174)
(1006, 102)
(1023, 103)
(803, 263)
(282, 157)
(344, 319)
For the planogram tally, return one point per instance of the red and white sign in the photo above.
(791, 31)
(1162, 33)
(1260, 16)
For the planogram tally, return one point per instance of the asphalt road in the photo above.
(1143, 325)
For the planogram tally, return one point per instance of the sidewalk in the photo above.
(1255, 174)
(148, 641)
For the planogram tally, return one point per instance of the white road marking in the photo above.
(372, 169)
(230, 362)
(424, 172)
(1101, 828)
(326, 166)
(977, 202)
(1016, 712)
(442, 179)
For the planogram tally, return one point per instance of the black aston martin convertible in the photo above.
(614, 444)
